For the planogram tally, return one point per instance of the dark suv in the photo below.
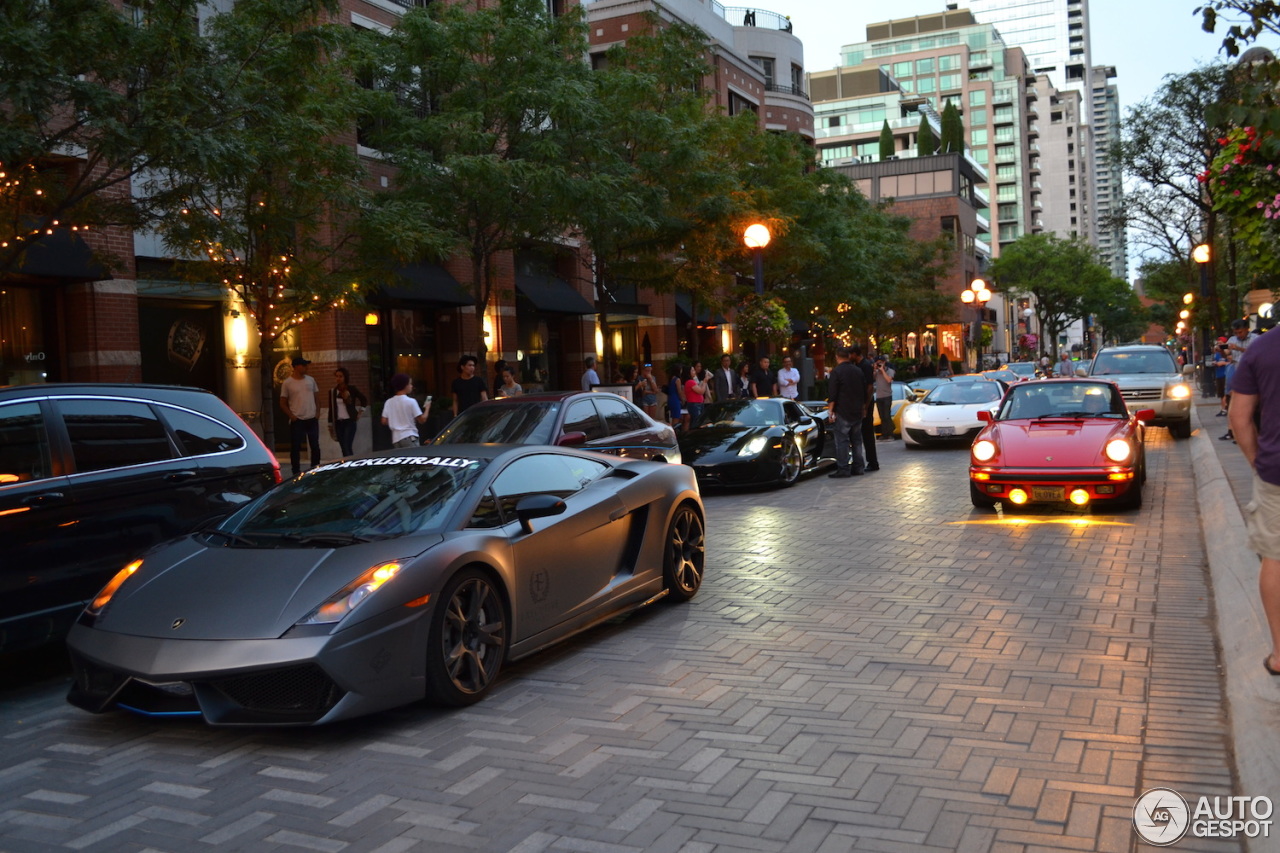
(93, 475)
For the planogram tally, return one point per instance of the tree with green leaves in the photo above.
(278, 216)
(497, 109)
(952, 130)
(926, 142)
(887, 148)
(1063, 276)
(93, 97)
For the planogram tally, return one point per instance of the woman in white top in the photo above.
(509, 386)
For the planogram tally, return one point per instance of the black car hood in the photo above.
(223, 593)
(714, 442)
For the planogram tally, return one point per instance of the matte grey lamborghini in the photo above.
(377, 581)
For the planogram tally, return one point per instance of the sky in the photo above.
(1143, 39)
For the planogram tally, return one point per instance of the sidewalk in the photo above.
(1225, 485)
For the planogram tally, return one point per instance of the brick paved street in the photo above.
(871, 665)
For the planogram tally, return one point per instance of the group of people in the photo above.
(402, 414)
(857, 389)
(692, 386)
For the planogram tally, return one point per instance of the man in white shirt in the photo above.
(788, 379)
(589, 376)
(402, 414)
(300, 401)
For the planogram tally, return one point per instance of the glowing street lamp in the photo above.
(977, 295)
(756, 237)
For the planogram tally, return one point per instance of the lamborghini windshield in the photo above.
(358, 500)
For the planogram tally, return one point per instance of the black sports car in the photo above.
(380, 580)
(751, 442)
(590, 420)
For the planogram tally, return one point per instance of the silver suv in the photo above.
(1148, 378)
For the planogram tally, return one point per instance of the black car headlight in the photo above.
(336, 607)
(754, 446)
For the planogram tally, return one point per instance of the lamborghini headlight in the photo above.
(984, 451)
(338, 605)
(1118, 450)
(754, 446)
(113, 585)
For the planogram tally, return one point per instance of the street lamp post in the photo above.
(1203, 255)
(756, 237)
(977, 296)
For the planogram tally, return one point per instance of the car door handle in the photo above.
(44, 499)
(179, 476)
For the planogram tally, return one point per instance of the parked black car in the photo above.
(753, 442)
(91, 476)
(589, 420)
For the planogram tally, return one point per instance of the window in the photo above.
(978, 98)
(766, 65)
(543, 474)
(978, 136)
(949, 81)
(901, 69)
(908, 85)
(979, 59)
(1005, 134)
(1006, 172)
(979, 156)
(24, 447)
(924, 66)
(835, 121)
(1008, 192)
(977, 118)
(950, 62)
(1004, 114)
(618, 416)
(926, 84)
(199, 435)
(113, 434)
(582, 417)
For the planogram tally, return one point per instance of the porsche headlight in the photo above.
(338, 605)
(1179, 392)
(754, 446)
(113, 585)
(984, 451)
(1118, 450)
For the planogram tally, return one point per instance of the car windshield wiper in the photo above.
(331, 537)
(231, 537)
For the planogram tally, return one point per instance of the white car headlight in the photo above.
(912, 414)
(754, 446)
(1118, 450)
(1179, 391)
(984, 451)
(338, 605)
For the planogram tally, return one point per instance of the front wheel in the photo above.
(792, 464)
(979, 499)
(1181, 429)
(685, 555)
(468, 640)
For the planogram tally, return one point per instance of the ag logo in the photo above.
(1161, 816)
(539, 585)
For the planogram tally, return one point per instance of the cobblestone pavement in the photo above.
(871, 665)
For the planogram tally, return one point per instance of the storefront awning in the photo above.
(552, 295)
(427, 283)
(62, 254)
(684, 312)
(624, 305)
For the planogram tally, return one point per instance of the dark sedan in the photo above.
(380, 580)
(593, 421)
(755, 442)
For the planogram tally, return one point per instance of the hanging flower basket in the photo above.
(764, 318)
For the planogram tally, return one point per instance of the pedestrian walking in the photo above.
(468, 389)
(346, 405)
(1254, 417)
(1237, 346)
(402, 414)
(300, 401)
(884, 396)
(846, 404)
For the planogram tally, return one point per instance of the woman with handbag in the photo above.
(346, 404)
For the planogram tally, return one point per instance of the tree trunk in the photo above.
(266, 375)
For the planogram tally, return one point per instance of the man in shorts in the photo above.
(1254, 418)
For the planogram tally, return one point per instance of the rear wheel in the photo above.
(980, 500)
(468, 639)
(685, 555)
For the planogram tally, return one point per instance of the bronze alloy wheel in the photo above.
(468, 640)
(686, 554)
(792, 463)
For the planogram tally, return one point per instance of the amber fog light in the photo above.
(1079, 497)
(1018, 496)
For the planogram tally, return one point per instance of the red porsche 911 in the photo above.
(1060, 441)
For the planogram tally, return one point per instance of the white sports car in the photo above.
(949, 413)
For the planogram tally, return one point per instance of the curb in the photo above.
(1252, 697)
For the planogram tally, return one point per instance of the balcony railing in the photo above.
(741, 16)
(786, 90)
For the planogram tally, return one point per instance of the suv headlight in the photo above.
(1178, 392)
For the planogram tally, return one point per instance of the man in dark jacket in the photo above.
(847, 396)
(868, 418)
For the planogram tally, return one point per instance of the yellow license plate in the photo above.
(1047, 493)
